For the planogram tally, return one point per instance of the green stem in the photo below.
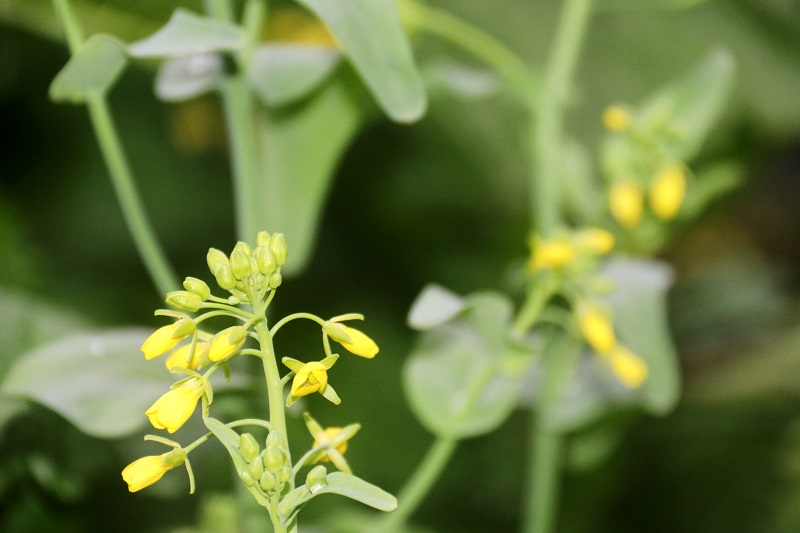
(238, 107)
(420, 483)
(277, 418)
(154, 258)
(548, 131)
(473, 40)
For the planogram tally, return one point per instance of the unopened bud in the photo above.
(174, 458)
(275, 280)
(336, 332)
(278, 245)
(183, 328)
(184, 301)
(285, 474)
(197, 286)
(265, 260)
(215, 256)
(225, 278)
(244, 247)
(273, 459)
(267, 482)
(240, 264)
(262, 239)
(248, 479)
(316, 479)
(255, 469)
(248, 447)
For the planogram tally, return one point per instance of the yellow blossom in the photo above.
(180, 357)
(330, 434)
(176, 406)
(597, 329)
(628, 367)
(554, 253)
(165, 338)
(145, 471)
(359, 343)
(595, 240)
(626, 203)
(333, 440)
(226, 343)
(667, 192)
(310, 378)
(616, 118)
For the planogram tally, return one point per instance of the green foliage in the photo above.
(183, 78)
(189, 34)
(91, 71)
(282, 74)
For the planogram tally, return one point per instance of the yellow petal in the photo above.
(175, 407)
(180, 357)
(595, 240)
(330, 433)
(616, 118)
(556, 253)
(667, 192)
(226, 343)
(144, 472)
(360, 343)
(160, 342)
(628, 367)
(597, 330)
(626, 204)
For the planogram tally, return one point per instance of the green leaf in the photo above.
(609, 5)
(91, 71)
(357, 489)
(373, 39)
(301, 150)
(188, 34)
(709, 185)
(693, 104)
(183, 78)
(285, 73)
(98, 380)
(460, 378)
(433, 307)
(230, 439)
(639, 304)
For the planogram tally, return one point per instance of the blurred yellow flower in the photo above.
(667, 192)
(595, 240)
(626, 203)
(554, 253)
(616, 118)
(628, 367)
(597, 329)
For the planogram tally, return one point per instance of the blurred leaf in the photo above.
(373, 39)
(284, 73)
(91, 71)
(640, 316)
(97, 380)
(183, 78)
(460, 378)
(433, 307)
(189, 34)
(609, 5)
(709, 185)
(230, 439)
(693, 104)
(459, 80)
(302, 146)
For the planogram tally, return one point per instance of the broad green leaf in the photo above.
(284, 73)
(374, 41)
(433, 307)
(302, 145)
(189, 34)
(98, 380)
(182, 78)
(640, 316)
(230, 439)
(91, 71)
(692, 105)
(462, 378)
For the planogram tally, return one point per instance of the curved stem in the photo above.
(278, 325)
(420, 483)
(154, 258)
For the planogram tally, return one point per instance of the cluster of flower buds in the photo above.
(637, 159)
(247, 272)
(268, 470)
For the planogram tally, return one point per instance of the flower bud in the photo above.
(616, 118)
(248, 447)
(628, 367)
(248, 479)
(278, 246)
(255, 469)
(316, 479)
(265, 260)
(626, 202)
(275, 439)
(183, 328)
(243, 247)
(240, 264)
(198, 287)
(174, 458)
(275, 280)
(285, 474)
(273, 459)
(262, 239)
(336, 332)
(597, 329)
(215, 256)
(227, 342)
(225, 278)
(667, 192)
(267, 482)
(184, 301)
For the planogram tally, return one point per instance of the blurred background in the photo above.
(444, 201)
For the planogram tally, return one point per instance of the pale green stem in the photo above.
(239, 111)
(547, 138)
(420, 483)
(154, 258)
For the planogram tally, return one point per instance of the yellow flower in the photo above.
(616, 118)
(226, 343)
(597, 329)
(180, 357)
(165, 338)
(354, 341)
(330, 434)
(333, 439)
(628, 367)
(310, 378)
(145, 471)
(595, 240)
(626, 203)
(667, 192)
(176, 406)
(555, 253)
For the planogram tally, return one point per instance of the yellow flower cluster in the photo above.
(565, 249)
